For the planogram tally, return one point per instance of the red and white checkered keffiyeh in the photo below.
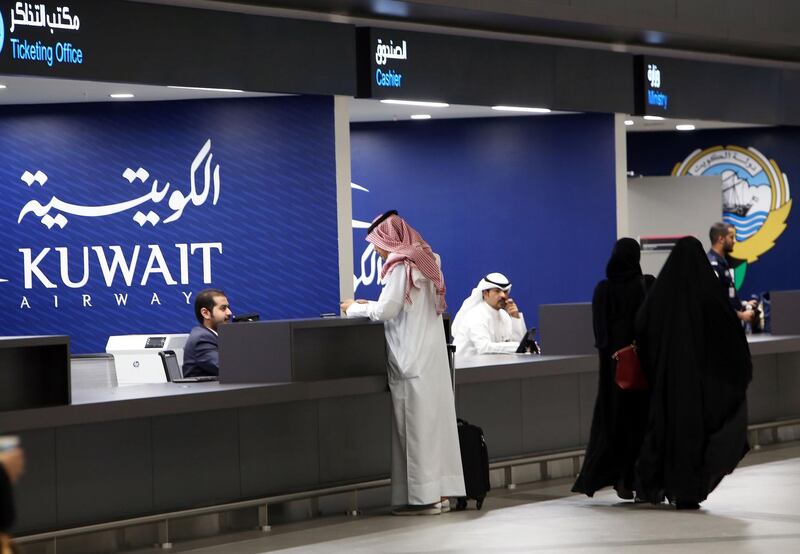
(405, 245)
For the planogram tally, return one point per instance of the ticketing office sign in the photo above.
(38, 34)
(136, 42)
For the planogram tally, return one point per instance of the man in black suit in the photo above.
(201, 354)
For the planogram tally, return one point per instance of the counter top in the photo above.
(105, 404)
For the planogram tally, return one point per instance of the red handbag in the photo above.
(629, 374)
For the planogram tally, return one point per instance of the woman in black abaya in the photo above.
(620, 416)
(697, 360)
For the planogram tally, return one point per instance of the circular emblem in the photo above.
(2, 31)
(136, 363)
(755, 195)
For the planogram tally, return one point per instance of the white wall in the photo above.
(672, 206)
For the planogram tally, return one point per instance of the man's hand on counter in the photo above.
(349, 302)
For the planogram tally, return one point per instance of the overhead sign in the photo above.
(655, 96)
(136, 42)
(678, 88)
(465, 70)
(50, 52)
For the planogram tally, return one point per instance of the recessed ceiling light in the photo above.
(521, 109)
(207, 89)
(628, 122)
(120, 95)
(653, 118)
(421, 116)
(685, 127)
(417, 103)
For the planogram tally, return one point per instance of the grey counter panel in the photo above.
(35, 493)
(495, 407)
(195, 459)
(279, 448)
(789, 384)
(105, 471)
(763, 390)
(355, 437)
(550, 420)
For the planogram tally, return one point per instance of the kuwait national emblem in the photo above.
(755, 197)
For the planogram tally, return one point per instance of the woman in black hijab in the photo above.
(620, 416)
(697, 360)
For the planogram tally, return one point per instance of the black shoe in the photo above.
(686, 505)
(624, 494)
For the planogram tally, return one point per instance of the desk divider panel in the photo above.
(567, 329)
(301, 350)
(255, 352)
(34, 372)
(785, 312)
(335, 352)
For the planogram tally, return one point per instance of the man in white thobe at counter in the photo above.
(489, 322)
(426, 460)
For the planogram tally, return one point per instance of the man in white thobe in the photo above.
(489, 322)
(426, 460)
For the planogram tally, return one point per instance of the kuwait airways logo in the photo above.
(755, 197)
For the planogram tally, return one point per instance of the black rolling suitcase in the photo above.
(475, 462)
(474, 455)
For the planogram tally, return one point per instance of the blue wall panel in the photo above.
(273, 226)
(532, 197)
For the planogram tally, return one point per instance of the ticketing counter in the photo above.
(167, 447)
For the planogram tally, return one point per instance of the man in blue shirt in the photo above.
(201, 352)
(723, 237)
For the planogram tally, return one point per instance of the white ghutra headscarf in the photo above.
(491, 281)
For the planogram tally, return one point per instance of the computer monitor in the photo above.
(245, 317)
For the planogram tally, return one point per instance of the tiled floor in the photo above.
(757, 509)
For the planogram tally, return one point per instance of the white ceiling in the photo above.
(42, 90)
